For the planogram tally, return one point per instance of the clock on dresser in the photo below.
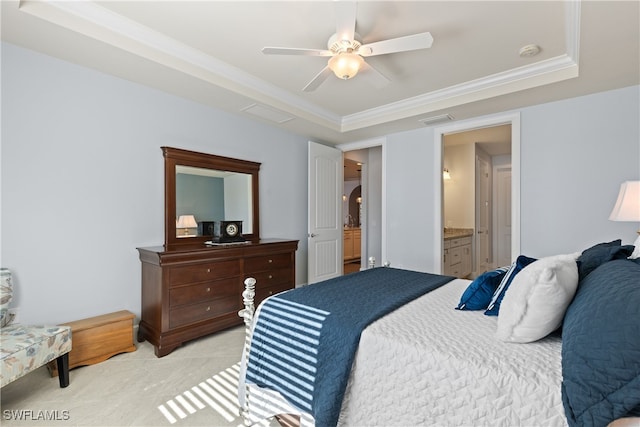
(227, 231)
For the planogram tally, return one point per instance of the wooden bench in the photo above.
(98, 338)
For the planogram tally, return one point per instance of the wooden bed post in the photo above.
(246, 313)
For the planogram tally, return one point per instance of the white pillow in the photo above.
(535, 303)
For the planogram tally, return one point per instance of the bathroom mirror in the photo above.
(202, 188)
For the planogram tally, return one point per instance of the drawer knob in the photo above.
(270, 277)
(270, 292)
(208, 308)
(208, 289)
(208, 270)
(270, 261)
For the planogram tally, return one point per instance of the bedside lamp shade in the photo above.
(627, 207)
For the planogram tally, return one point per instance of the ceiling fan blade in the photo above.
(400, 44)
(375, 77)
(346, 20)
(318, 79)
(295, 51)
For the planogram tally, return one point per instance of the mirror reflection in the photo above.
(207, 195)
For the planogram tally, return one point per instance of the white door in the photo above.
(325, 213)
(503, 216)
(483, 216)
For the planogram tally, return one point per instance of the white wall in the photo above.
(574, 156)
(410, 211)
(459, 192)
(82, 181)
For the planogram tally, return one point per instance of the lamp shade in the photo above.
(345, 65)
(186, 221)
(627, 207)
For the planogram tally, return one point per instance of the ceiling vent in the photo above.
(268, 113)
(427, 121)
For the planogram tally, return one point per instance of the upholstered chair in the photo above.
(24, 348)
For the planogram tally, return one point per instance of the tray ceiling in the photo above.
(210, 52)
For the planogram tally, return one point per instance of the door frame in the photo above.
(497, 171)
(466, 125)
(480, 266)
(363, 145)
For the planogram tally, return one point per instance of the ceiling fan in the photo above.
(347, 52)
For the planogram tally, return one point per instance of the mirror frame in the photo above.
(177, 156)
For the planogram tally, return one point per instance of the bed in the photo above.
(426, 363)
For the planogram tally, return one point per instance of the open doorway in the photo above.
(476, 200)
(352, 213)
(362, 208)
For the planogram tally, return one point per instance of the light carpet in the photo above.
(195, 385)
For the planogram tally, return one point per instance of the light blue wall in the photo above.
(574, 156)
(82, 181)
(200, 196)
(410, 211)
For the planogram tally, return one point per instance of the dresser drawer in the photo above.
(203, 272)
(219, 306)
(262, 293)
(181, 295)
(265, 279)
(265, 263)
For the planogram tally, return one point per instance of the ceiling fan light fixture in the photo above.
(345, 65)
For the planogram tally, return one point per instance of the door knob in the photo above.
(312, 235)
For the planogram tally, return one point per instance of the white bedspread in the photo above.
(428, 364)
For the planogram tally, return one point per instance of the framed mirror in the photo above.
(203, 188)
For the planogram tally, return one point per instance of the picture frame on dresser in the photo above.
(190, 288)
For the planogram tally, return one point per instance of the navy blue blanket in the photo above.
(601, 346)
(305, 340)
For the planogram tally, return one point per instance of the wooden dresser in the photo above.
(196, 290)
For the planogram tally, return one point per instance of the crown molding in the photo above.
(95, 21)
(99, 23)
(541, 73)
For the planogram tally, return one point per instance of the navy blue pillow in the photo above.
(494, 305)
(598, 254)
(601, 347)
(478, 294)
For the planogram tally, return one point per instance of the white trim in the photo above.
(572, 26)
(541, 73)
(438, 134)
(495, 170)
(360, 145)
(100, 23)
(437, 201)
(383, 202)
